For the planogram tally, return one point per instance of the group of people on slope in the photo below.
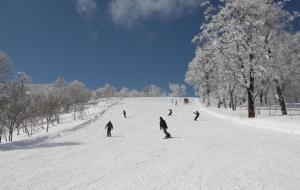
(196, 113)
(162, 123)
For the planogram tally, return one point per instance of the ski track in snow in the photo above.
(208, 154)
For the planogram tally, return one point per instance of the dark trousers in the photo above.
(166, 133)
(109, 132)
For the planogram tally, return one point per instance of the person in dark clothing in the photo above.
(109, 127)
(197, 115)
(164, 127)
(124, 113)
(170, 112)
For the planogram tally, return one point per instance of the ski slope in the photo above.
(209, 154)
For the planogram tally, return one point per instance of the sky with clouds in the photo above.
(122, 42)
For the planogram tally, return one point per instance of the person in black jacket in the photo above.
(109, 127)
(164, 127)
(197, 115)
(170, 112)
(124, 113)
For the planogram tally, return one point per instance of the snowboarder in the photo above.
(124, 113)
(197, 115)
(164, 127)
(170, 112)
(109, 127)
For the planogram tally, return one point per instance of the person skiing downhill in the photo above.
(197, 115)
(124, 113)
(170, 112)
(109, 127)
(164, 127)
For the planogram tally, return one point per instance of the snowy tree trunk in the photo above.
(208, 95)
(261, 94)
(251, 102)
(1, 130)
(74, 112)
(18, 129)
(235, 103)
(231, 105)
(281, 98)
(26, 131)
(251, 107)
(57, 118)
(10, 137)
(47, 125)
(266, 98)
(224, 103)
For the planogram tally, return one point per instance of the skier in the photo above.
(124, 113)
(109, 127)
(164, 127)
(197, 115)
(176, 103)
(170, 112)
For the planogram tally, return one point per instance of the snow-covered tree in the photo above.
(152, 91)
(105, 92)
(200, 74)
(135, 93)
(240, 37)
(13, 107)
(23, 79)
(79, 95)
(124, 92)
(177, 90)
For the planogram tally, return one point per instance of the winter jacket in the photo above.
(163, 124)
(109, 126)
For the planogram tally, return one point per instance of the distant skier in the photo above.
(109, 127)
(197, 115)
(124, 113)
(170, 112)
(164, 127)
(176, 103)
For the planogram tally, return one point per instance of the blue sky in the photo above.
(102, 41)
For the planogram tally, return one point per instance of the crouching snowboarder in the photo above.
(109, 127)
(197, 115)
(170, 112)
(164, 127)
(124, 113)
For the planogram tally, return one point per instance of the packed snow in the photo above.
(215, 152)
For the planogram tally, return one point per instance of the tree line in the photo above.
(27, 107)
(177, 90)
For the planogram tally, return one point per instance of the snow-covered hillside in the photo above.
(211, 153)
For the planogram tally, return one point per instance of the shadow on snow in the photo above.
(40, 142)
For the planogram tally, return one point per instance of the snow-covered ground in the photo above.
(288, 123)
(216, 152)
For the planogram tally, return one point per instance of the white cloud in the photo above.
(86, 8)
(130, 12)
